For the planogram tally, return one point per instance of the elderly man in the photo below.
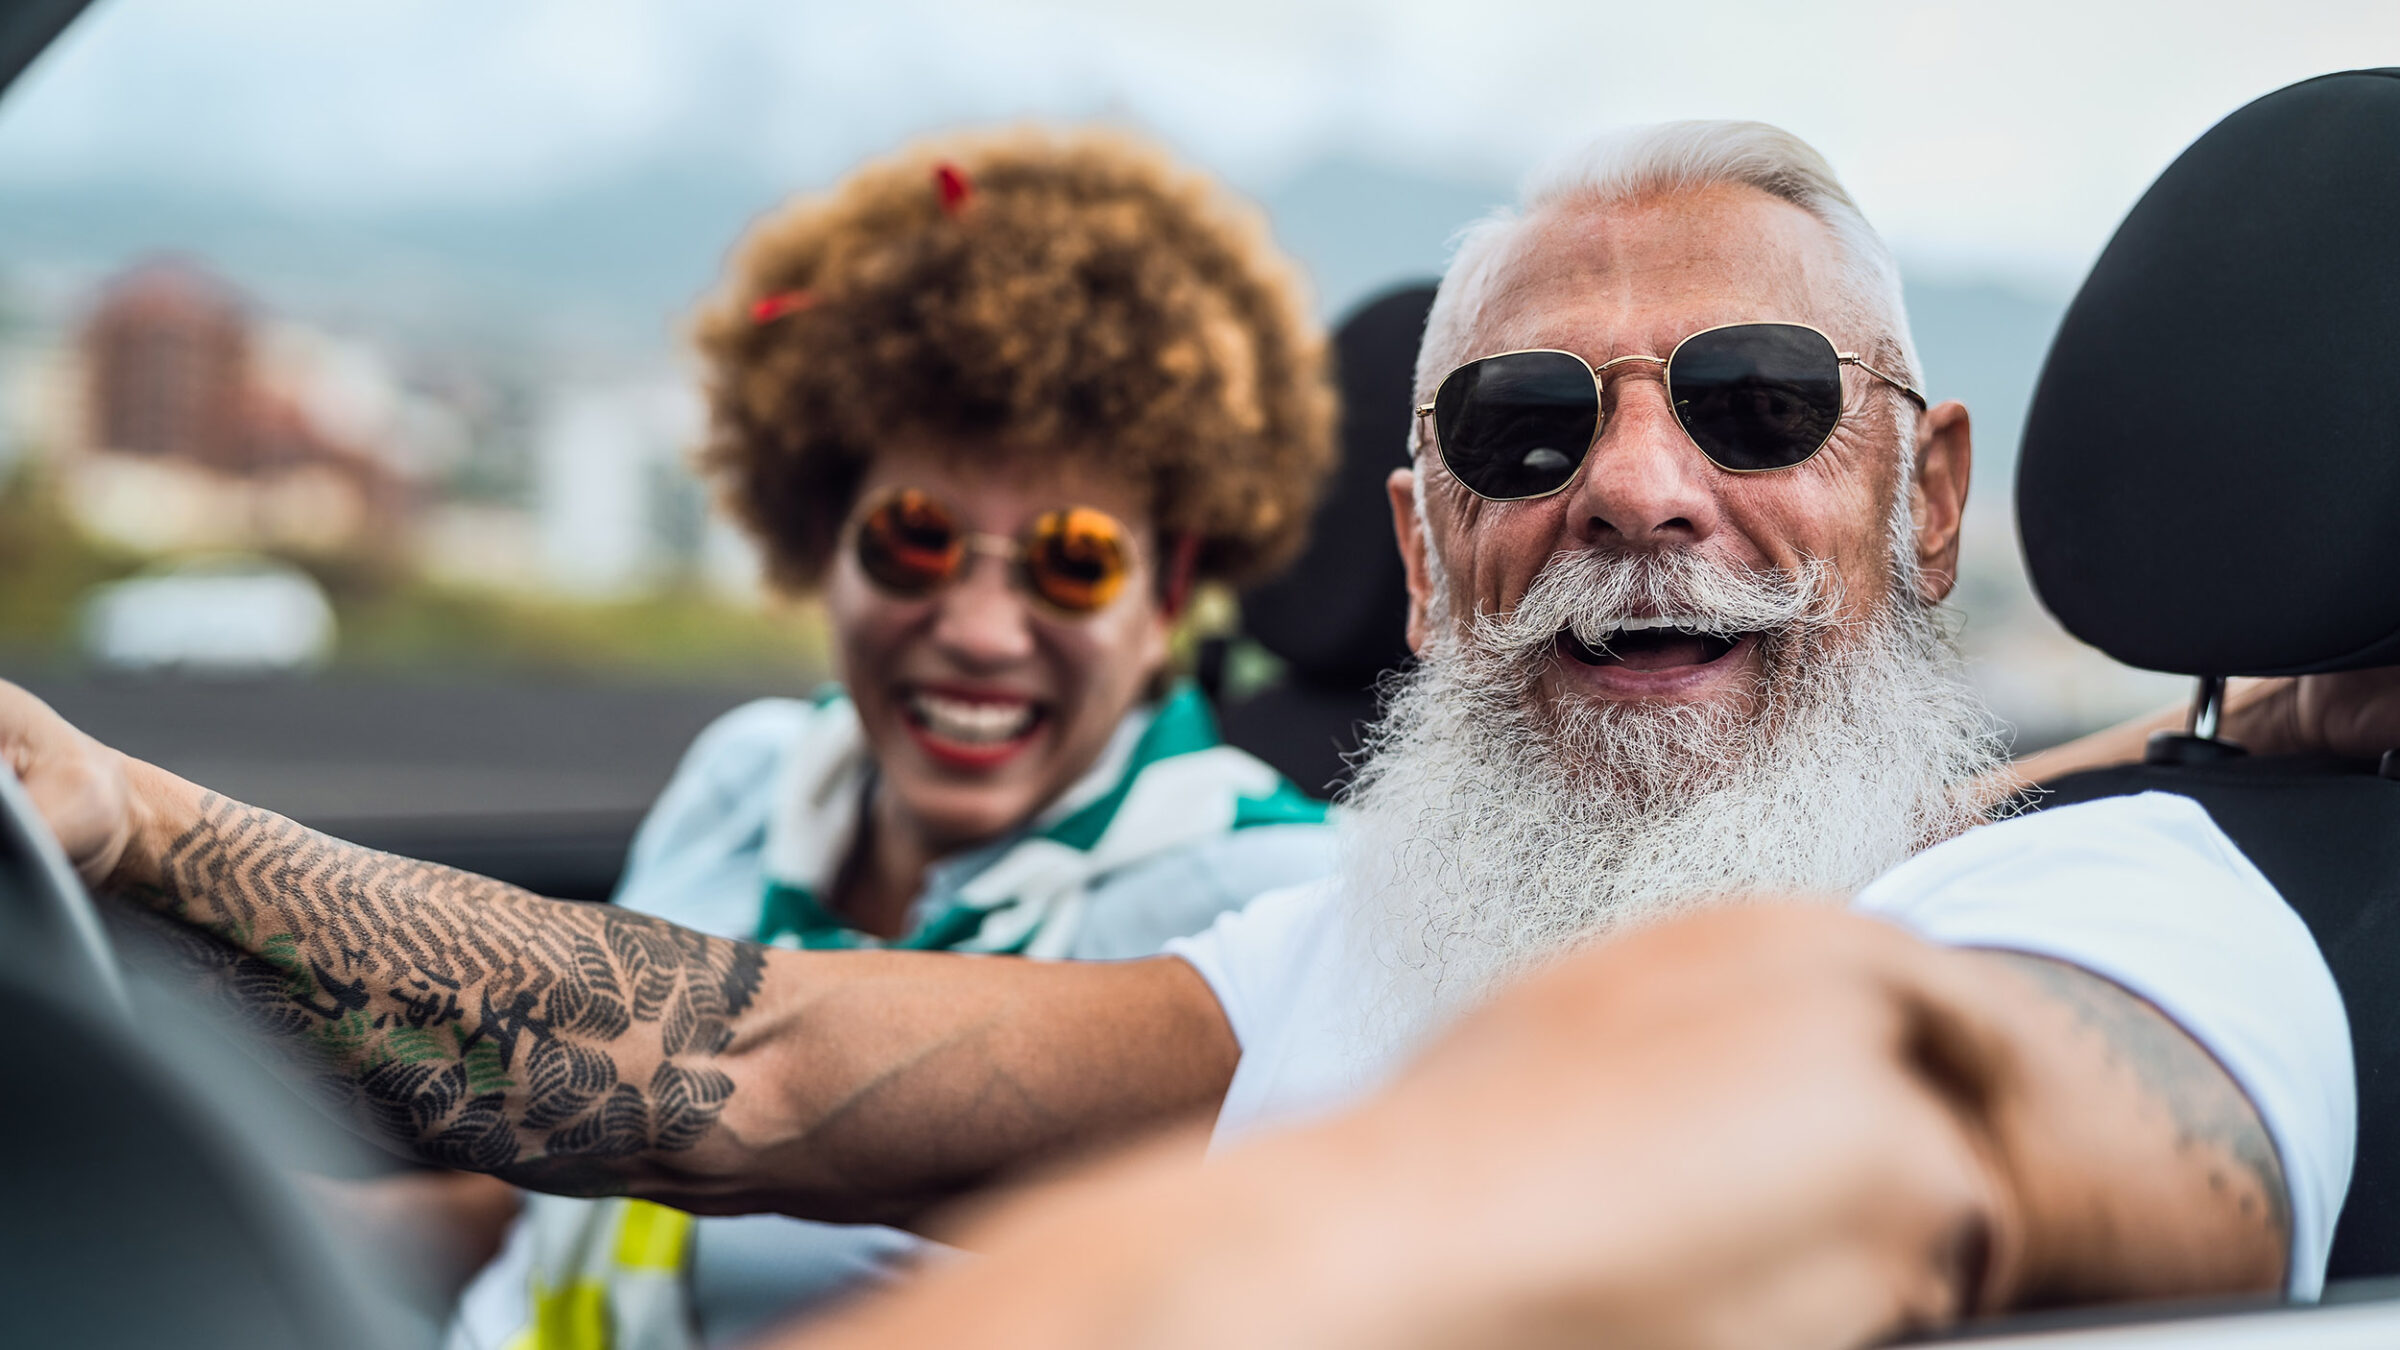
(1676, 531)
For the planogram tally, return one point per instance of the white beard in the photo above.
(1488, 832)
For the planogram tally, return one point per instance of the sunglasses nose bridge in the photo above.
(973, 548)
(1601, 373)
(992, 546)
(1600, 379)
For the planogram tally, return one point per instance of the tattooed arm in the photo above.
(587, 1049)
(2124, 1082)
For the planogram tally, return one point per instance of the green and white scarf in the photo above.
(1157, 788)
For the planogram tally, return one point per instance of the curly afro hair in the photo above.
(1058, 295)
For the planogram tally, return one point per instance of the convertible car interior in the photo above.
(2210, 474)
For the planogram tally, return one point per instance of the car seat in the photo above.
(1338, 618)
(2210, 486)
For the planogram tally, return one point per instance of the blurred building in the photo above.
(167, 357)
(184, 445)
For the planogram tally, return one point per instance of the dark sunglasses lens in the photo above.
(1757, 395)
(1077, 559)
(1517, 424)
(908, 544)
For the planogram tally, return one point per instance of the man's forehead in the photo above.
(1636, 276)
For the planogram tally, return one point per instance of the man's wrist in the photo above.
(160, 808)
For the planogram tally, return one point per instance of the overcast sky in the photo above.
(2010, 136)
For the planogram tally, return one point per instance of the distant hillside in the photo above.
(603, 272)
(613, 265)
(1360, 228)
(1982, 343)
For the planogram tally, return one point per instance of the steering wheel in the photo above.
(52, 931)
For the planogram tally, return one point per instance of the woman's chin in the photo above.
(961, 811)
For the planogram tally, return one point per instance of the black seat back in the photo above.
(2210, 485)
(1338, 618)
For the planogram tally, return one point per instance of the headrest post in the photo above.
(2208, 708)
(2197, 743)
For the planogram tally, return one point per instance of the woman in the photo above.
(1002, 401)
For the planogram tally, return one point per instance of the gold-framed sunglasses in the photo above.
(911, 544)
(1754, 397)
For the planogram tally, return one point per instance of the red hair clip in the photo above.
(1180, 568)
(772, 307)
(951, 182)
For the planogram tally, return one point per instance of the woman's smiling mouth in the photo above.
(971, 729)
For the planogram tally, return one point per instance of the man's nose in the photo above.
(1644, 484)
(982, 620)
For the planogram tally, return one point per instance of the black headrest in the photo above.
(2210, 481)
(1340, 614)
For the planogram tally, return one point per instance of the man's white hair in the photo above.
(1669, 158)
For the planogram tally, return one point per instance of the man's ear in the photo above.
(1402, 486)
(1938, 494)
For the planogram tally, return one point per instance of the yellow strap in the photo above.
(652, 1237)
(572, 1318)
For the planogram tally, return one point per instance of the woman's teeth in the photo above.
(971, 722)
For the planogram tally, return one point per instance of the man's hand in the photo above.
(79, 785)
(2354, 713)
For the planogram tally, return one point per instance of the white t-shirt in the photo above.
(2145, 891)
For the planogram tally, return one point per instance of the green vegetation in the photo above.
(390, 620)
(46, 566)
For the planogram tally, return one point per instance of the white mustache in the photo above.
(1596, 595)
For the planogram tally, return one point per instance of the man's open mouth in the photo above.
(1663, 643)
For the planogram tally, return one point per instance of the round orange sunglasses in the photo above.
(1074, 559)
